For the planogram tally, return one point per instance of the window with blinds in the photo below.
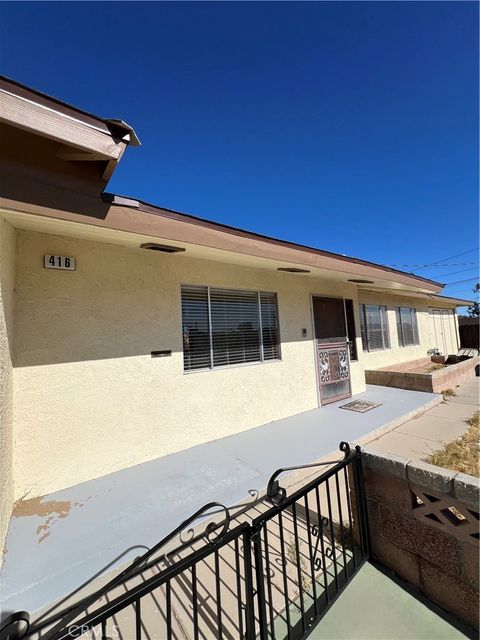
(235, 326)
(270, 329)
(195, 328)
(374, 327)
(223, 327)
(407, 327)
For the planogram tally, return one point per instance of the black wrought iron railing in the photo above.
(270, 572)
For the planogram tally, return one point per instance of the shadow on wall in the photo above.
(126, 302)
(85, 339)
(8, 259)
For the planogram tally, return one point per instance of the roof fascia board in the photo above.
(23, 113)
(431, 297)
(459, 302)
(39, 97)
(118, 129)
(434, 286)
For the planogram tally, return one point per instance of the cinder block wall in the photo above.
(424, 526)
(434, 382)
(455, 374)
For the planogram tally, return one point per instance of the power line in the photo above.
(466, 291)
(448, 284)
(457, 255)
(452, 273)
(437, 264)
(465, 287)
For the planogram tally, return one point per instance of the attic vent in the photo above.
(293, 270)
(361, 281)
(164, 248)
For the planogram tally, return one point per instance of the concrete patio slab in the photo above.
(434, 427)
(375, 607)
(406, 445)
(452, 411)
(465, 400)
(468, 393)
(107, 520)
(469, 389)
(421, 436)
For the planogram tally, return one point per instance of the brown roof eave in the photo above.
(459, 302)
(217, 226)
(124, 214)
(110, 126)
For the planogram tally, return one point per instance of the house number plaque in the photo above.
(65, 263)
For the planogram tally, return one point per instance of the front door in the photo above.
(332, 351)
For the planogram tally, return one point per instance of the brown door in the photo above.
(331, 346)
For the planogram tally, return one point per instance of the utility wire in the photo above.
(457, 255)
(448, 284)
(437, 264)
(465, 290)
(462, 293)
(465, 287)
(453, 273)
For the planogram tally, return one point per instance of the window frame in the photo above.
(212, 366)
(384, 323)
(400, 332)
(351, 339)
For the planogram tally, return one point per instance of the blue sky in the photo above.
(348, 126)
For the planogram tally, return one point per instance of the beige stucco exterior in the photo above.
(7, 309)
(398, 353)
(85, 382)
(90, 400)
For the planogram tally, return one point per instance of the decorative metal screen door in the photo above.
(331, 344)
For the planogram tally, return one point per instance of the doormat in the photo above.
(361, 406)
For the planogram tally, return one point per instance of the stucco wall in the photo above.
(7, 305)
(89, 399)
(398, 353)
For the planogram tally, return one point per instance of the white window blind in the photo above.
(269, 323)
(374, 327)
(196, 328)
(224, 327)
(407, 327)
(235, 326)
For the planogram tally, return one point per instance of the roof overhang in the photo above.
(83, 136)
(458, 302)
(429, 297)
(131, 223)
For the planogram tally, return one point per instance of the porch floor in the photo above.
(376, 607)
(96, 525)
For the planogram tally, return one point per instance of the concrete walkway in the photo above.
(375, 607)
(56, 543)
(421, 436)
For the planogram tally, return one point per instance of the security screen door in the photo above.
(331, 345)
